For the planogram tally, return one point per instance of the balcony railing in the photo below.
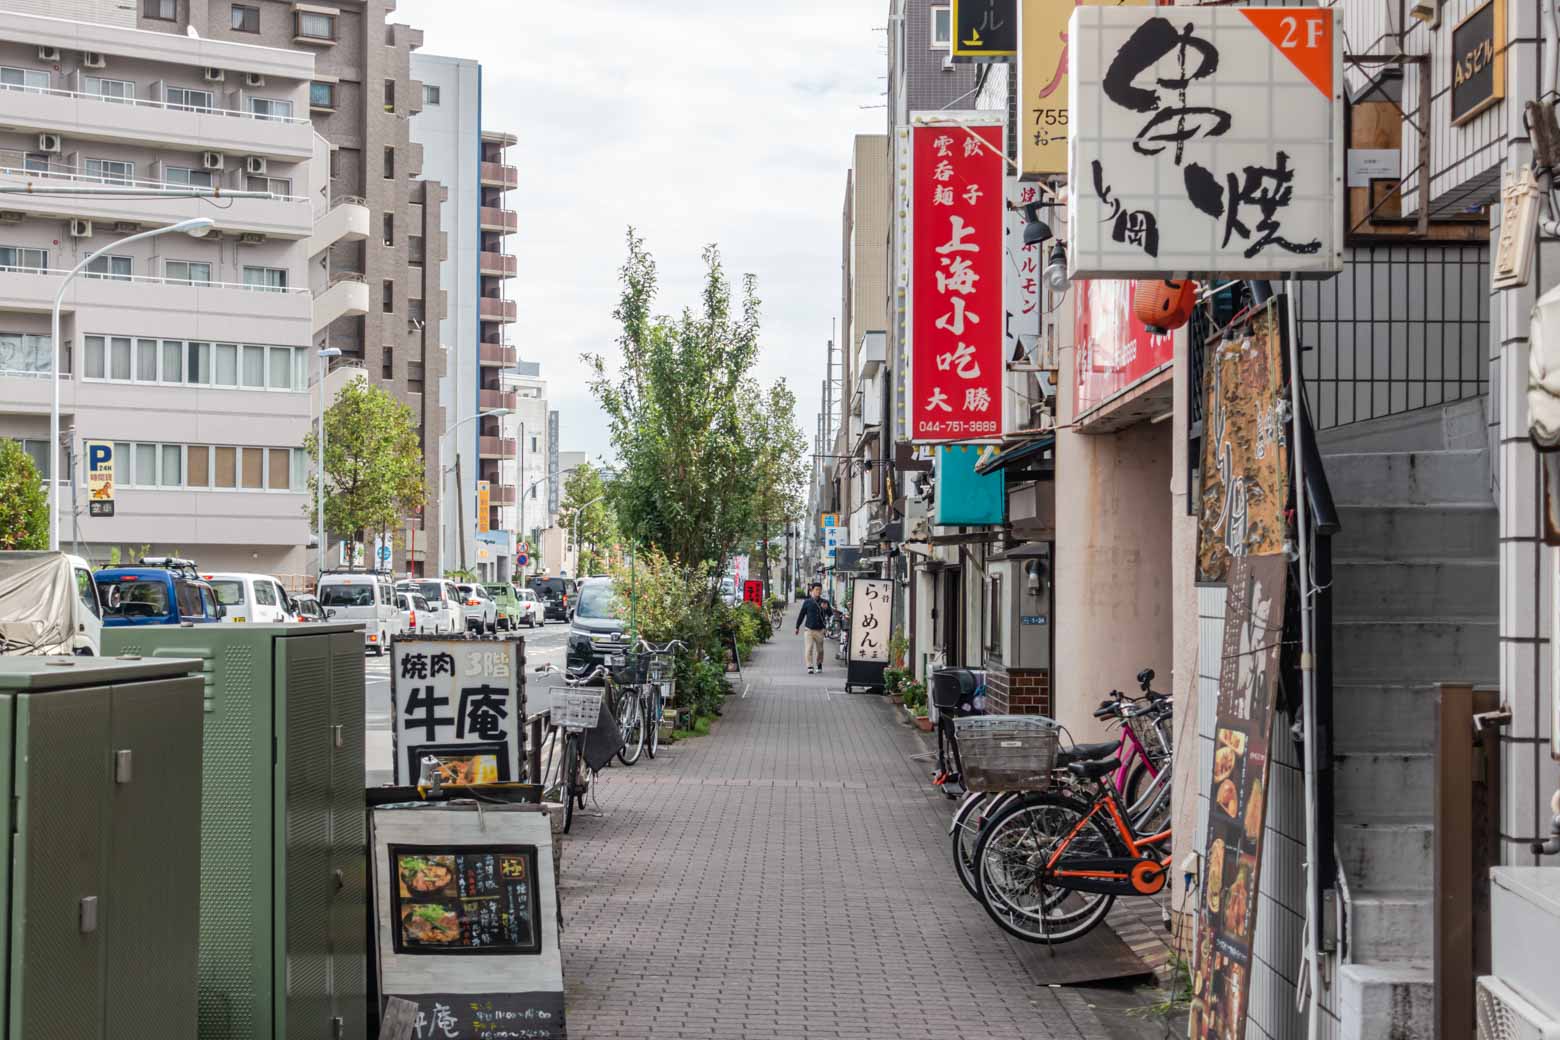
(498, 175)
(500, 264)
(493, 218)
(503, 357)
(491, 399)
(497, 310)
(147, 103)
(15, 164)
(144, 279)
(498, 447)
(502, 495)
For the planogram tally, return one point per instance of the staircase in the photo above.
(1416, 603)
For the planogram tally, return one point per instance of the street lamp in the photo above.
(460, 512)
(526, 490)
(325, 354)
(195, 228)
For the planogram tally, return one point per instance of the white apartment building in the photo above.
(529, 470)
(192, 355)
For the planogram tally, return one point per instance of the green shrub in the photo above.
(894, 680)
(914, 693)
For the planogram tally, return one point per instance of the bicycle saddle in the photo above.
(1095, 770)
(1145, 677)
(1086, 752)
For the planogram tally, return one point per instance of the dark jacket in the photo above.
(814, 614)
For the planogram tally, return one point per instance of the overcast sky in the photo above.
(697, 121)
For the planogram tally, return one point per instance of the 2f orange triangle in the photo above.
(1303, 35)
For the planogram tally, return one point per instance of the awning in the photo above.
(1021, 461)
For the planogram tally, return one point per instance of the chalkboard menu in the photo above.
(487, 1016)
(475, 900)
(1478, 61)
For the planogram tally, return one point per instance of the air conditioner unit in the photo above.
(1502, 1014)
(48, 54)
(92, 60)
(80, 228)
(250, 238)
(253, 79)
(11, 216)
(212, 75)
(126, 227)
(49, 143)
(255, 164)
(212, 161)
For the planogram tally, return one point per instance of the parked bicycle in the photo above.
(660, 687)
(575, 714)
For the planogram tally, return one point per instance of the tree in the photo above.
(585, 493)
(24, 508)
(677, 409)
(373, 462)
(780, 470)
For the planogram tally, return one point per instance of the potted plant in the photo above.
(914, 693)
(893, 684)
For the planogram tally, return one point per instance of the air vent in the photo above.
(48, 54)
(92, 60)
(11, 216)
(126, 227)
(253, 79)
(250, 238)
(49, 143)
(211, 161)
(212, 75)
(255, 164)
(80, 228)
(1505, 1015)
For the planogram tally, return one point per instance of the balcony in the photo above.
(139, 122)
(346, 221)
(347, 296)
(498, 175)
(500, 265)
(491, 309)
(502, 495)
(497, 356)
(488, 400)
(504, 221)
(498, 448)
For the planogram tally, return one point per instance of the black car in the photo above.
(557, 596)
(596, 630)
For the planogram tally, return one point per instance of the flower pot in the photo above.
(923, 723)
(894, 698)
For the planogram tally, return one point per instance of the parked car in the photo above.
(306, 607)
(481, 611)
(163, 590)
(416, 617)
(595, 630)
(557, 596)
(511, 615)
(535, 611)
(39, 614)
(359, 596)
(444, 604)
(251, 597)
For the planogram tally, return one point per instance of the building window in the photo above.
(942, 29)
(112, 89)
(39, 452)
(389, 95)
(253, 371)
(110, 171)
(416, 249)
(171, 361)
(24, 354)
(335, 162)
(165, 10)
(430, 94)
(197, 466)
(387, 364)
(387, 296)
(322, 95)
(146, 361)
(117, 268)
(415, 314)
(389, 229)
(281, 374)
(190, 99)
(245, 19)
(270, 108)
(23, 258)
(281, 186)
(279, 470)
(266, 279)
(23, 79)
(187, 272)
(389, 164)
(307, 25)
(197, 359)
(185, 175)
(254, 469)
(994, 625)
(36, 162)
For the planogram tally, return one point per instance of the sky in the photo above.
(697, 122)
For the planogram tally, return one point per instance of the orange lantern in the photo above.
(1164, 305)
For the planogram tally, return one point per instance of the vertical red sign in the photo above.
(956, 363)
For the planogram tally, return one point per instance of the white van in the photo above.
(251, 597)
(447, 617)
(365, 598)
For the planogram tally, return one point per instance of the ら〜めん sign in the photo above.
(1205, 139)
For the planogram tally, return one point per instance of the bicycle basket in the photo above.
(632, 673)
(576, 709)
(1007, 752)
(660, 670)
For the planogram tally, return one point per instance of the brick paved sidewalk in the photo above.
(788, 877)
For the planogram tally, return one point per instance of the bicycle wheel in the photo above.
(1147, 799)
(1011, 869)
(571, 773)
(631, 717)
(653, 720)
(968, 821)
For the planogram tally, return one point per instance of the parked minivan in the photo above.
(557, 596)
(444, 604)
(163, 590)
(362, 597)
(251, 597)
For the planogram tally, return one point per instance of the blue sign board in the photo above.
(964, 497)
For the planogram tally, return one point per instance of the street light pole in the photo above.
(457, 424)
(325, 354)
(195, 228)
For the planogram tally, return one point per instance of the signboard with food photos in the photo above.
(1237, 812)
(460, 702)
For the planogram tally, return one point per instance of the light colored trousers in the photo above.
(812, 647)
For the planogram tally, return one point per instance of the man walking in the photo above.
(814, 616)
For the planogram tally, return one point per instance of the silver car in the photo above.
(481, 612)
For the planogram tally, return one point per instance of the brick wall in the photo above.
(1020, 691)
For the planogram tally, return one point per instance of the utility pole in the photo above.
(460, 513)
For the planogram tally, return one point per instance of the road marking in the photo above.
(747, 688)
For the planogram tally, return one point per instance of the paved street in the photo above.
(788, 876)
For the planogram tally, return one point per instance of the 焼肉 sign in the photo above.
(460, 702)
(1205, 139)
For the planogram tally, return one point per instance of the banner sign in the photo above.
(1115, 351)
(753, 592)
(461, 702)
(871, 627)
(1021, 275)
(1209, 139)
(100, 477)
(1245, 453)
(1237, 811)
(484, 503)
(956, 315)
(984, 30)
(1042, 83)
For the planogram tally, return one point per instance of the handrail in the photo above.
(148, 279)
(347, 276)
(125, 182)
(347, 200)
(147, 103)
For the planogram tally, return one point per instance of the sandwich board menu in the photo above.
(1237, 811)
(465, 900)
(460, 702)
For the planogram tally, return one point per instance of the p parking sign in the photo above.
(100, 478)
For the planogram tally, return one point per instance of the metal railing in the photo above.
(146, 103)
(147, 279)
(64, 172)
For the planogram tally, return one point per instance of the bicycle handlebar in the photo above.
(666, 648)
(573, 680)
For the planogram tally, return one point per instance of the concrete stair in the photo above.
(1416, 588)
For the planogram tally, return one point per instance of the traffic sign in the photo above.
(522, 559)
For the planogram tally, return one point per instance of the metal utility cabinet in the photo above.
(101, 761)
(283, 869)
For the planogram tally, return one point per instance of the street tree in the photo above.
(24, 508)
(779, 469)
(373, 463)
(585, 494)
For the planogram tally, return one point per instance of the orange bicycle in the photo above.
(1050, 865)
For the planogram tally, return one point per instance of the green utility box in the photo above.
(100, 760)
(283, 866)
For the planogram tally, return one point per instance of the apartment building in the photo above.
(375, 258)
(192, 355)
(529, 472)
